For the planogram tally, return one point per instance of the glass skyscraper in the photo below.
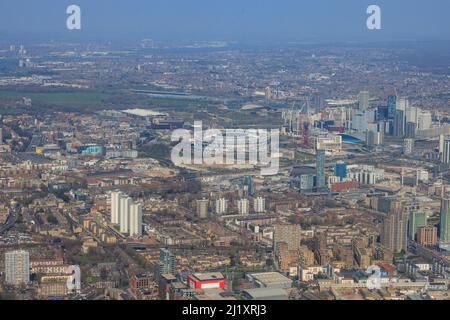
(445, 221)
(392, 106)
(399, 124)
(247, 181)
(340, 170)
(166, 262)
(417, 218)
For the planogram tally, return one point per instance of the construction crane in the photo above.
(298, 123)
(304, 142)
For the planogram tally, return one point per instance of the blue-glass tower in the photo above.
(392, 106)
(340, 170)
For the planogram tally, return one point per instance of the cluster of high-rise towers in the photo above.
(406, 220)
(126, 214)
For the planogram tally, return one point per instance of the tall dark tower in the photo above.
(392, 106)
(320, 169)
(248, 182)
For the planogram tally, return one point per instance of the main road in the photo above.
(12, 219)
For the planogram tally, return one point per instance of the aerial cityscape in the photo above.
(158, 169)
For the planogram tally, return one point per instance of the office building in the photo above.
(402, 104)
(382, 113)
(410, 130)
(320, 169)
(363, 100)
(166, 262)
(446, 151)
(17, 268)
(375, 133)
(249, 186)
(444, 236)
(207, 280)
(394, 230)
(303, 179)
(411, 114)
(340, 170)
(417, 218)
(399, 124)
(361, 119)
(392, 106)
(424, 120)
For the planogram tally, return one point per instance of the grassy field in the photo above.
(63, 98)
(86, 100)
(9, 111)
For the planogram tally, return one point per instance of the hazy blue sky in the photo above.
(270, 20)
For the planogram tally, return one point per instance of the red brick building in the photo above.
(427, 236)
(206, 280)
(344, 186)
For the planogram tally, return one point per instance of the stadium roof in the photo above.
(143, 113)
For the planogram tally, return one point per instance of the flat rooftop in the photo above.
(215, 294)
(143, 113)
(267, 293)
(270, 277)
(168, 276)
(208, 276)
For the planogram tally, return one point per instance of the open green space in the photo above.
(57, 97)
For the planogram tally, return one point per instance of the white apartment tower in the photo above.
(221, 206)
(17, 267)
(136, 220)
(243, 206)
(125, 205)
(115, 206)
(259, 205)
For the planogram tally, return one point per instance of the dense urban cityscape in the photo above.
(87, 178)
(355, 206)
